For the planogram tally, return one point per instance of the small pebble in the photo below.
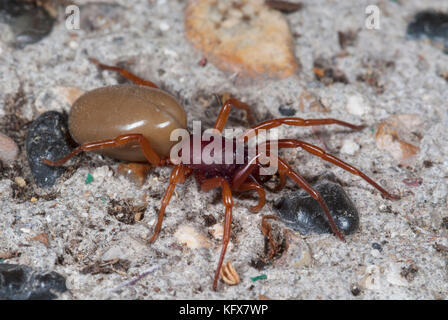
(203, 62)
(8, 149)
(29, 22)
(191, 238)
(375, 253)
(217, 231)
(355, 290)
(164, 26)
(310, 103)
(42, 238)
(357, 106)
(114, 253)
(377, 246)
(47, 139)
(304, 214)
(429, 24)
(400, 136)
(19, 282)
(286, 111)
(349, 147)
(20, 181)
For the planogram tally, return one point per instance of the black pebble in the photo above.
(304, 214)
(28, 21)
(377, 246)
(47, 139)
(19, 282)
(429, 24)
(286, 111)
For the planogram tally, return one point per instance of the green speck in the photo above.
(372, 130)
(103, 200)
(260, 277)
(2, 261)
(88, 179)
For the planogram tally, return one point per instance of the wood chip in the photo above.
(42, 238)
(9, 254)
(399, 136)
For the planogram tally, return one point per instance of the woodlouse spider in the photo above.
(134, 122)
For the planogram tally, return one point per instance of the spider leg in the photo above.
(228, 103)
(283, 166)
(178, 175)
(228, 203)
(281, 183)
(125, 73)
(299, 122)
(260, 190)
(149, 153)
(292, 143)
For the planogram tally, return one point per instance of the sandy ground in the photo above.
(151, 35)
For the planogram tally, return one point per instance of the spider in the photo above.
(113, 113)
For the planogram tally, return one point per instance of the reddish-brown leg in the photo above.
(149, 153)
(225, 110)
(283, 166)
(267, 231)
(292, 143)
(178, 175)
(261, 194)
(228, 203)
(125, 73)
(266, 125)
(243, 173)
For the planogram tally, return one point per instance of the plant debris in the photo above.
(124, 211)
(347, 38)
(42, 238)
(409, 272)
(229, 274)
(327, 73)
(117, 265)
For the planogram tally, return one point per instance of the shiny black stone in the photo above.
(28, 21)
(302, 213)
(47, 139)
(286, 111)
(18, 282)
(429, 24)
